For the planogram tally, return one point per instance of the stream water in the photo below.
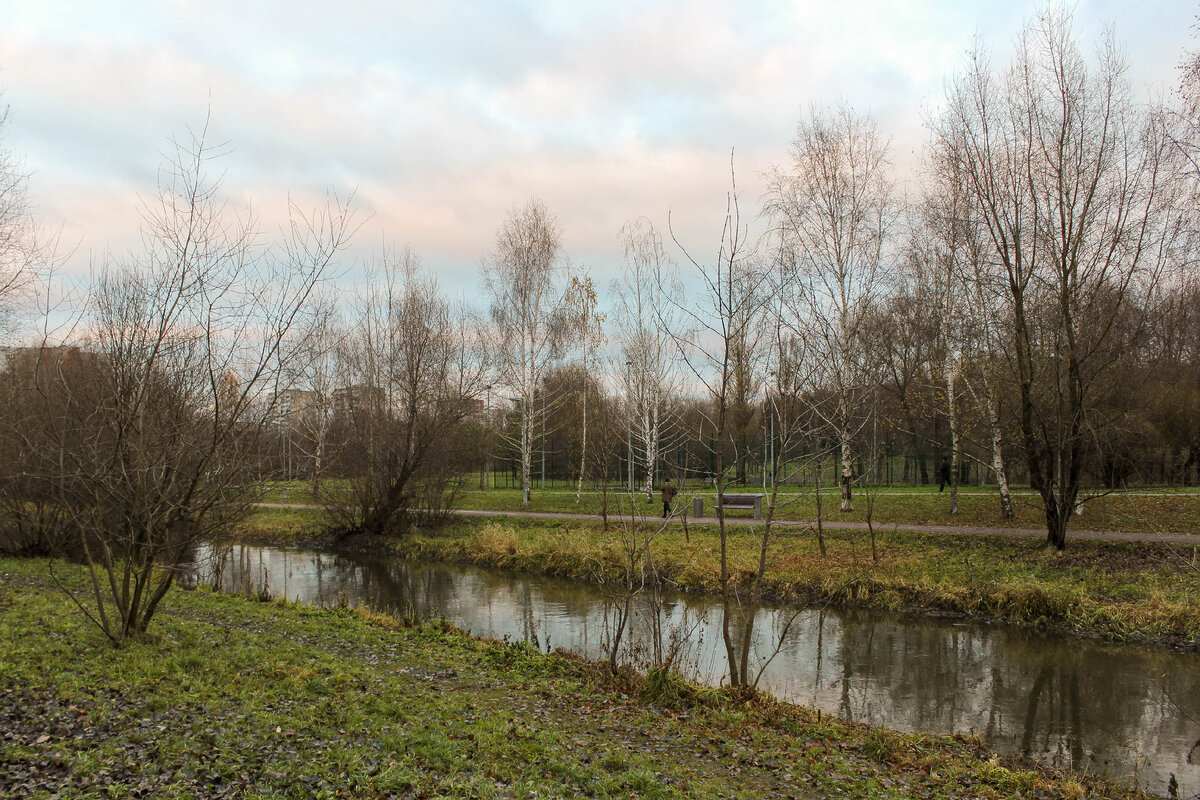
(1127, 711)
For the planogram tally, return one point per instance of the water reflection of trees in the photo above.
(1066, 703)
(1079, 704)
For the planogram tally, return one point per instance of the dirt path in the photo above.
(957, 530)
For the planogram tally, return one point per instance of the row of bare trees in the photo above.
(1043, 260)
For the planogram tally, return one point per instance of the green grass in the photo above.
(977, 508)
(230, 697)
(1156, 510)
(281, 525)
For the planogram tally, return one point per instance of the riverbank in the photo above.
(1116, 591)
(233, 698)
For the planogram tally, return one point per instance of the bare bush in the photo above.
(410, 378)
(145, 438)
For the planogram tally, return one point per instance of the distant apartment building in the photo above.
(293, 404)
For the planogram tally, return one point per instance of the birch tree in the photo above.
(983, 352)
(523, 277)
(940, 252)
(832, 211)
(587, 324)
(646, 301)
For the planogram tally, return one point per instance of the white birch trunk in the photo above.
(583, 446)
(529, 379)
(526, 455)
(951, 370)
(650, 434)
(1006, 508)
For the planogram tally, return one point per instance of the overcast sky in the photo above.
(442, 116)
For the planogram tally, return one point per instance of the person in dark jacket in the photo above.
(668, 494)
(944, 474)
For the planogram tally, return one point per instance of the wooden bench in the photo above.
(746, 502)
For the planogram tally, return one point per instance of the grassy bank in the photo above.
(232, 698)
(1118, 591)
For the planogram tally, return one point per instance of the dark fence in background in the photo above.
(887, 466)
(690, 468)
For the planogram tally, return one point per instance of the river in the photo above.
(1130, 712)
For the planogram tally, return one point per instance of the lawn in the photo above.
(1158, 510)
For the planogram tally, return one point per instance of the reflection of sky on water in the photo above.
(1128, 711)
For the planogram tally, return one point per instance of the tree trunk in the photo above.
(727, 597)
(526, 455)
(1006, 507)
(650, 424)
(583, 446)
(952, 415)
(1056, 524)
(817, 471)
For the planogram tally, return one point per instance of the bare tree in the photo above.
(1067, 175)
(645, 303)
(788, 382)
(983, 350)
(149, 435)
(904, 337)
(307, 407)
(522, 276)
(709, 334)
(941, 254)
(587, 325)
(1186, 136)
(24, 246)
(832, 211)
(410, 373)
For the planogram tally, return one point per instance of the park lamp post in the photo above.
(487, 419)
(771, 411)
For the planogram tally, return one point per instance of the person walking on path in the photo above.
(944, 475)
(668, 494)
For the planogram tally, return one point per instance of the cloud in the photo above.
(444, 115)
